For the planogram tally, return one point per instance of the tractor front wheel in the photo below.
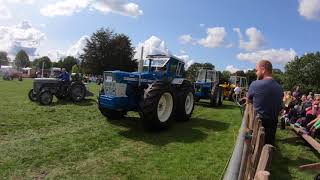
(32, 96)
(215, 97)
(185, 102)
(157, 106)
(45, 98)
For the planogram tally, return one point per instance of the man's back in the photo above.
(266, 96)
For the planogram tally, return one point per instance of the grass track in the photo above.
(74, 141)
(68, 140)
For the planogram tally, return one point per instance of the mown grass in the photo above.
(291, 152)
(67, 140)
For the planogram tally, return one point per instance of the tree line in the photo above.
(107, 50)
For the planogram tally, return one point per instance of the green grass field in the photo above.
(67, 140)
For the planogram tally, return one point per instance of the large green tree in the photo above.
(37, 63)
(4, 60)
(225, 76)
(106, 50)
(22, 59)
(303, 71)
(194, 68)
(68, 62)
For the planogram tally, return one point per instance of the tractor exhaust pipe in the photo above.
(140, 65)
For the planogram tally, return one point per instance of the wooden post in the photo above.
(256, 128)
(265, 158)
(262, 175)
(257, 152)
(314, 166)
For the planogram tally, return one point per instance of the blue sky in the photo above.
(198, 31)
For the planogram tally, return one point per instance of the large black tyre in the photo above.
(185, 100)
(221, 97)
(77, 92)
(157, 106)
(45, 97)
(33, 97)
(215, 96)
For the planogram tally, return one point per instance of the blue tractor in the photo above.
(158, 92)
(207, 86)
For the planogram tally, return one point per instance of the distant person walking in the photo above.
(266, 95)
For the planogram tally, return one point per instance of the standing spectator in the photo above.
(266, 95)
(297, 93)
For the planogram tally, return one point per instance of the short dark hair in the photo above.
(266, 65)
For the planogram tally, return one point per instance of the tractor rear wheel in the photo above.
(32, 96)
(45, 98)
(157, 106)
(215, 97)
(185, 101)
(77, 92)
(221, 97)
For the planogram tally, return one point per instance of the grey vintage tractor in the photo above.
(45, 88)
(158, 92)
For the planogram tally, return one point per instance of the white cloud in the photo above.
(151, 46)
(186, 58)
(255, 39)
(276, 56)
(215, 38)
(22, 36)
(74, 50)
(310, 9)
(201, 25)
(69, 7)
(4, 11)
(186, 38)
(64, 8)
(233, 69)
(22, 1)
(55, 55)
(119, 7)
(77, 49)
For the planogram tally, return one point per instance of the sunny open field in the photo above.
(68, 140)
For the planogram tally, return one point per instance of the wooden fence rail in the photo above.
(256, 156)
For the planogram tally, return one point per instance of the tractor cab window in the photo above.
(201, 76)
(180, 68)
(173, 66)
(157, 64)
(211, 76)
(233, 80)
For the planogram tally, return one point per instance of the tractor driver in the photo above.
(65, 79)
(64, 76)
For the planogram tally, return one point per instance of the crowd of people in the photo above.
(302, 110)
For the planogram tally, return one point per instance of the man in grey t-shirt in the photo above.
(266, 95)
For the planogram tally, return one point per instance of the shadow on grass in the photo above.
(85, 102)
(280, 165)
(184, 132)
(224, 106)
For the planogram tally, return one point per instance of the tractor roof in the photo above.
(163, 56)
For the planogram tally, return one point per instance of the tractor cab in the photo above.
(163, 65)
(207, 76)
(242, 81)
